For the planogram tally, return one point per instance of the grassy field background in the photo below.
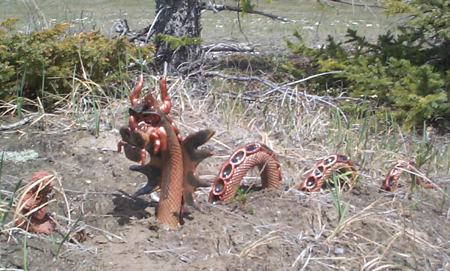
(315, 21)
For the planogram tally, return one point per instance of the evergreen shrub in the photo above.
(407, 72)
(45, 63)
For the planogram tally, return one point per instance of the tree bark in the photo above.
(177, 18)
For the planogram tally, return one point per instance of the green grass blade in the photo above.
(1, 165)
(25, 250)
(67, 235)
(11, 200)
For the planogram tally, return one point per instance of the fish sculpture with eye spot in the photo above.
(173, 160)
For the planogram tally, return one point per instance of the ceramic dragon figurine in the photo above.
(31, 211)
(173, 160)
(391, 180)
(316, 179)
(235, 168)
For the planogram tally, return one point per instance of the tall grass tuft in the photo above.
(336, 189)
(9, 205)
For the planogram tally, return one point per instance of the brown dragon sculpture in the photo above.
(173, 160)
(31, 210)
(316, 179)
(391, 180)
(173, 164)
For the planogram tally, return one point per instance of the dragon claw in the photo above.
(147, 189)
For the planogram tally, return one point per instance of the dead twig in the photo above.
(262, 241)
(222, 47)
(356, 4)
(218, 8)
(17, 124)
(284, 89)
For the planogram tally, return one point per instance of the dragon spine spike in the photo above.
(150, 101)
(166, 105)
(323, 170)
(134, 95)
(192, 156)
(237, 166)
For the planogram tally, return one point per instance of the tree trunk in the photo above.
(177, 18)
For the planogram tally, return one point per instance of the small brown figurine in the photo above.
(32, 206)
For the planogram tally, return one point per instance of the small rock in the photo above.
(100, 240)
(184, 259)
(339, 250)
(149, 209)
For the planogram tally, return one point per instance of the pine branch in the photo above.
(222, 47)
(218, 8)
(362, 4)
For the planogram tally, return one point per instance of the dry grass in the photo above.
(303, 131)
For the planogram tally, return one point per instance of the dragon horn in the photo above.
(134, 95)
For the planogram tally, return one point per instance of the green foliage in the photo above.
(67, 235)
(8, 207)
(8, 25)
(424, 150)
(406, 73)
(246, 6)
(396, 6)
(333, 185)
(305, 64)
(47, 61)
(176, 43)
(251, 210)
(241, 196)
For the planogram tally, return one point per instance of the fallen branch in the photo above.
(362, 4)
(121, 27)
(222, 47)
(218, 8)
(17, 124)
(285, 89)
